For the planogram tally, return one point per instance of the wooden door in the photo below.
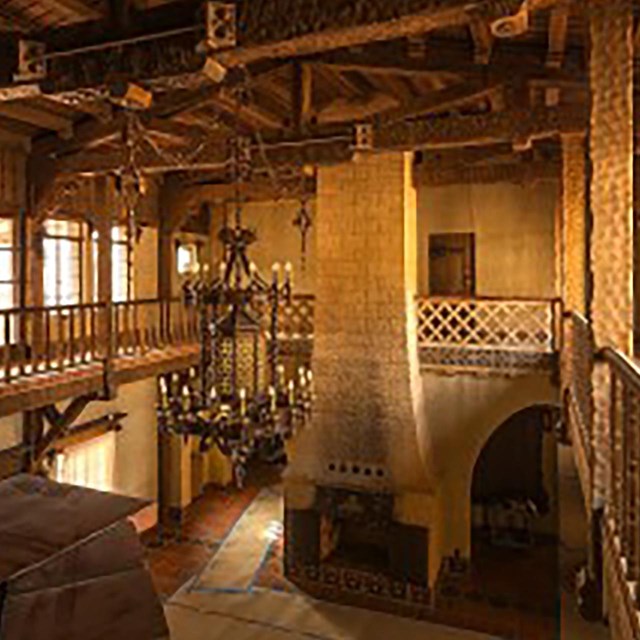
(452, 264)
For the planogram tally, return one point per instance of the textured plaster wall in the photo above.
(10, 431)
(135, 469)
(514, 228)
(462, 413)
(278, 239)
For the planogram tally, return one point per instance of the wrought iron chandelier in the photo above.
(239, 398)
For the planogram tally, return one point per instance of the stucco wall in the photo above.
(278, 239)
(462, 413)
(135, 468)
(514, 234)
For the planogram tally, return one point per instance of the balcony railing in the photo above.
(607, 454)
(488, 333)
(577, 392)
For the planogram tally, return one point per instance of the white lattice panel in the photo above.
(510, 325)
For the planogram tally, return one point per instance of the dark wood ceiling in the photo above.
(452, 71)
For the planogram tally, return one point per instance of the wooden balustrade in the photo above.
(577, 390)
(42, 339)
(140, 326)
(623, 477)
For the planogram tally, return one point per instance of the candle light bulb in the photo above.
(243, 402)
(223, 270)
(213, 394)
(272, 398)
(186, 398)
(276, 271)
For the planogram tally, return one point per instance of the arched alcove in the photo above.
(514, 523)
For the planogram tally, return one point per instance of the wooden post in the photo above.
(105, 293)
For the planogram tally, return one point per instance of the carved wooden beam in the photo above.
(59, 423)
(212, 155)
(268, 29)
(482, 40)
(452, 59)
(460, 131)
(443, 100)
(514, 172)
(558, 24)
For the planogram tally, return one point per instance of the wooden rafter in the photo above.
(78, 8)
(482, 40)
(334, 144)
(37, 117)
(558, 26)
(270, 34)
(443, 100)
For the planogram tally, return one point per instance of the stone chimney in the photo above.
(367, 433)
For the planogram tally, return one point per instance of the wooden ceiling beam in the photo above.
(37, 118)
(517, 173)
(461, 131)
(78, 8)
(558, 27)
(443, 100)
(482, 40)
(357, 109)
(333, 144)
(271, 31)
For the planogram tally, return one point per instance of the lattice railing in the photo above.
(487, 333)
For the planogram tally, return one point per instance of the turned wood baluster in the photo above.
(633, 483)
(72, 336)
(7, 346)
(93, 329)
(60, 348)
(627, 478)
(47, 339)
(84, 347)
(613, 478)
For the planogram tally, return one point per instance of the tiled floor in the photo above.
(184, 554)
(225, 574)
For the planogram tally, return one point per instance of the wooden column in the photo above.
(104, 222)
(574, 241)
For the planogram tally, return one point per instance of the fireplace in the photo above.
(349, 548)
(359, 499)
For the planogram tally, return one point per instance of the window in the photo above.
(121, 265)
(8, 281)
(89, 464)
(187, 258)
(63, 246)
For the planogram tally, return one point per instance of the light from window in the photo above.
(8, 282)
(89, 464)
(7, 259)
(121, 265)
(62, 245)
(187, 259)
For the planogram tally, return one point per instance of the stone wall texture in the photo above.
(611, 149)
(574, 222)
(364, 426)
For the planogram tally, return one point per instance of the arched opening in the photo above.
(514, 513)
(512, 573)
